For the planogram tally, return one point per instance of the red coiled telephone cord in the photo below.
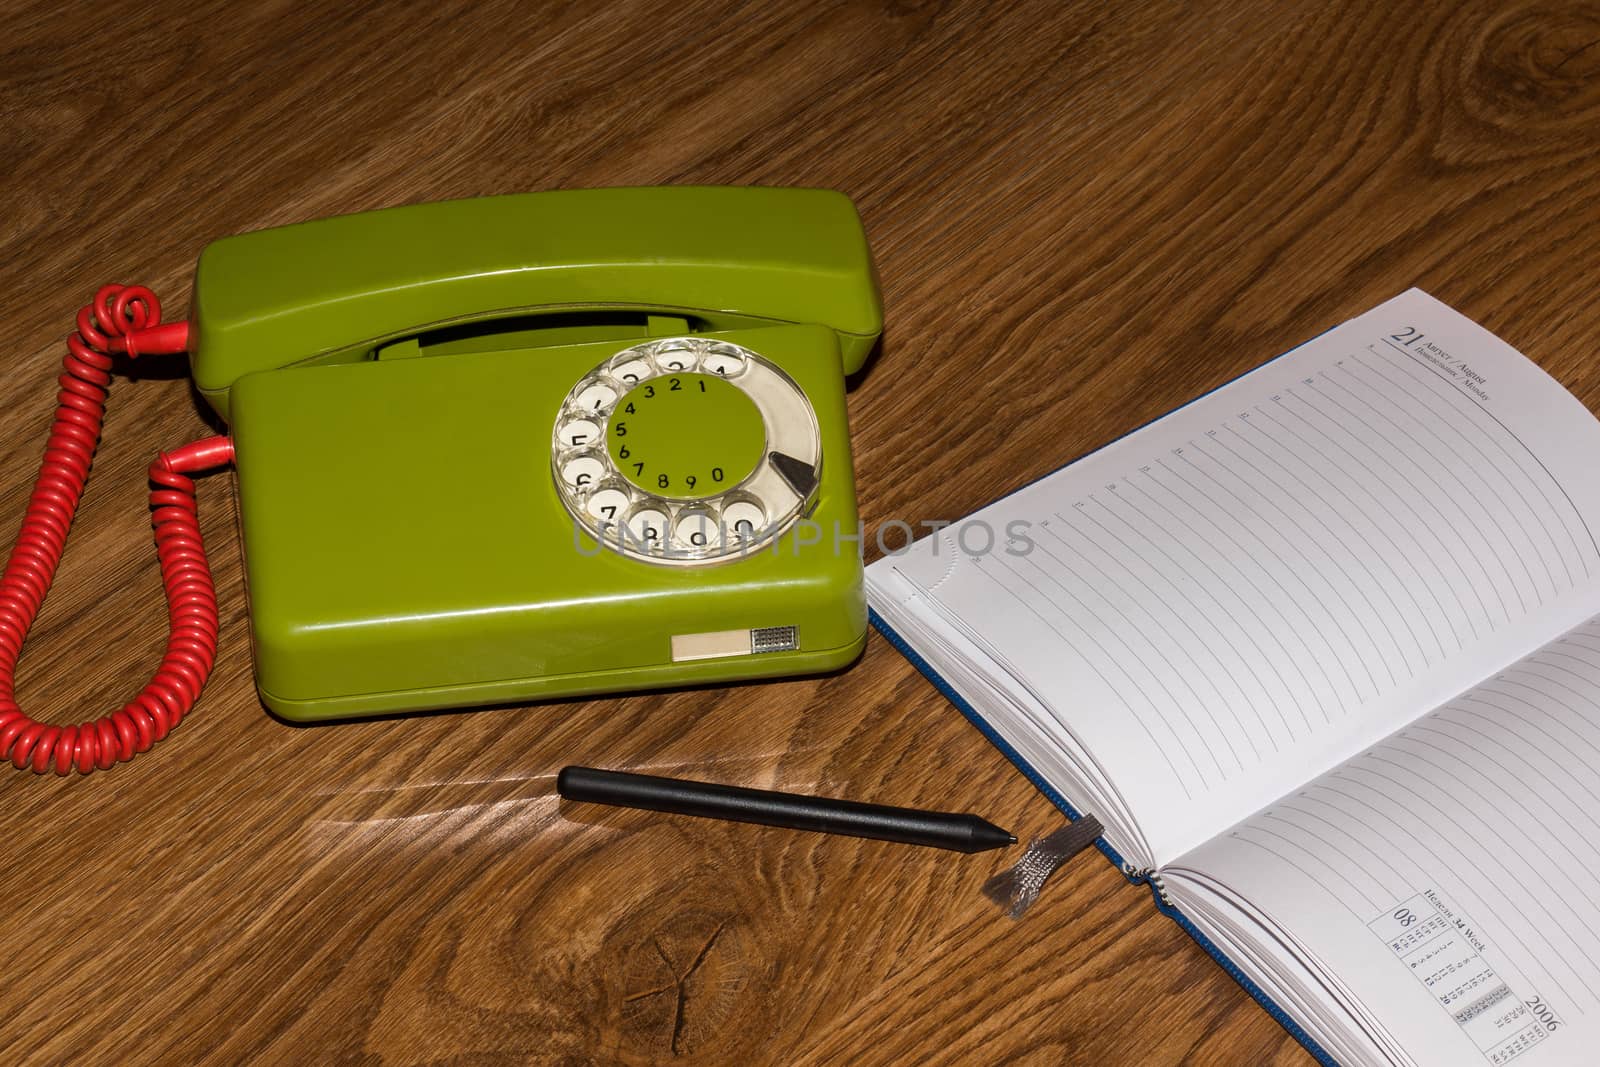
(121, 319)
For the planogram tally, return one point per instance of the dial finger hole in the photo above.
(578, 433)
(696, 530)
(630, 369)
(672, 356)
(595, 396)
(582, 472)
(647, 526)
(606, 505)
(725, 361)
(743, 521)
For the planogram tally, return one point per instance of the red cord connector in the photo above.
(166, 339)
(121, 319)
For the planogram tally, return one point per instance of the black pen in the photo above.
(937, 829)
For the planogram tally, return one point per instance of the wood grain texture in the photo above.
(1083, 213)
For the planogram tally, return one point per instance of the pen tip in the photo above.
(1013, 839)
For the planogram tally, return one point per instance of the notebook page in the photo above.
(1250, 589)
(1486, 811)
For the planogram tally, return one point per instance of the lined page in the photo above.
(1487, 809)
(1245, 592)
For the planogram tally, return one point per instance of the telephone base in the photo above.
(578, 684)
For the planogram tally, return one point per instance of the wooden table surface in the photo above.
(1083, 215)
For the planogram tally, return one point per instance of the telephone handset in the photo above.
(498, 450)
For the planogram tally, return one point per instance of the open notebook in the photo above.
(1321, 650)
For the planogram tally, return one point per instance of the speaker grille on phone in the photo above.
(774, 639)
